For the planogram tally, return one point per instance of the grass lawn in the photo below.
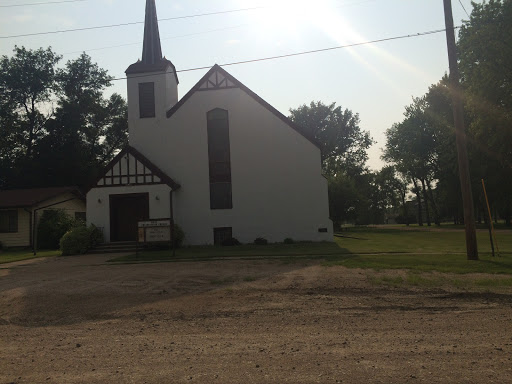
(376, 248)
(24, 254)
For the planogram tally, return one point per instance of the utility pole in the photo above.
(460, 136)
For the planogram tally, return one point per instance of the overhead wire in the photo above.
(302, 52)
(129, 23)
(163, 38)
(41, 3)
(464, 8)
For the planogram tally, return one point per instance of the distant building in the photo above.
(233, 164)
(21, 209)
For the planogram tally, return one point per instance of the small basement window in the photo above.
(222, 234)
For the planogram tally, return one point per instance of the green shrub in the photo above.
(53, 224)
(288, 240)
(179, 236)
(260, 241)
(76, 241)
(80, 239)
(1, 246)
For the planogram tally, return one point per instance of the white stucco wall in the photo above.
(166, 95)
(277, 186)
(98, 204)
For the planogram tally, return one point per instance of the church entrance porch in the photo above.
(125, 211)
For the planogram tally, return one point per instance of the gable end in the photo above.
(219, 78)
(130, 167)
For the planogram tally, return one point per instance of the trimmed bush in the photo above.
(53, 224)
(260, 241)
(79, 240)
(288, 240)
(1, 246)
(231, 241)
(179, 236)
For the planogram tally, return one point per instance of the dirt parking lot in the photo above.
(78, 320)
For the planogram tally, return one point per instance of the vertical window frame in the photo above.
(223, 179)
(147, 100)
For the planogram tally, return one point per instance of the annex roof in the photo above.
(130, 167)
(218, 78)
(21, 198)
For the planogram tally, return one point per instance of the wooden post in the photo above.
(172, 224)
(491, 226)
(460, 136)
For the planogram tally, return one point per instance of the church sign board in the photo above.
(154, 231)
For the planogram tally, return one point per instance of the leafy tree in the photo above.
(67, 145)
(343, 143)
(27, 81)
(485, 56)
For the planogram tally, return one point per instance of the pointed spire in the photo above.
(152, 50)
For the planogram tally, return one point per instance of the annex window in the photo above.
(222, 234)
(9, 221)
(147, 99)
(80, 216)
(219, 159)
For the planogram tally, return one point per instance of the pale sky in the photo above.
(375, 80)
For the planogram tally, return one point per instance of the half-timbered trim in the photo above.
(130, 167)
(218, 78)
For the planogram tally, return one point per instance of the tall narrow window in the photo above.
(147, 99)
(219, 159)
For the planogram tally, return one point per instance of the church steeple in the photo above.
(151, 50)
(152, 59)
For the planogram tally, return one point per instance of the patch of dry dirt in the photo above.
(77, 320)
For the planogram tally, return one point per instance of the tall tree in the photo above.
(43, 146)
(27, 82)
(343, 143)
(485, 56)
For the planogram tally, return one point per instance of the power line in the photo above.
(45, 3)
(132, 23)
(464, 8)
(137, 22)
(303, 52)
(164, 38)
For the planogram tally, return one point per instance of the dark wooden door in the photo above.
(125, 212)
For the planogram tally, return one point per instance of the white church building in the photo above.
(221, 161)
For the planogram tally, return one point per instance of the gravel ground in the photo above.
(78, 320)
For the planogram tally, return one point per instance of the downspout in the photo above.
(31, 234)
(171, 214)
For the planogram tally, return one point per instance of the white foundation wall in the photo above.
(98, 204)
(277, 187)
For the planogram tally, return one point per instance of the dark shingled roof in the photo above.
(152, 60)
(20, 198)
